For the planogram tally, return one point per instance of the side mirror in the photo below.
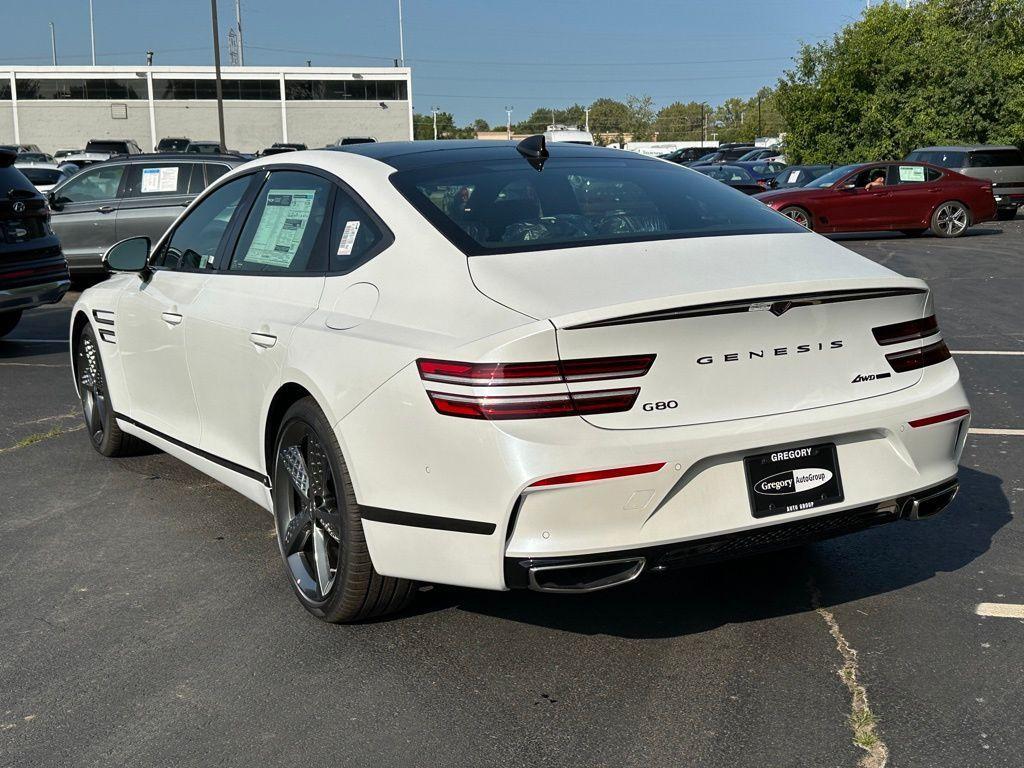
(53, 201)
(131, 255)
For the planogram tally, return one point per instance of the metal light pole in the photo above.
(216, 69)
(508, 121)
(238, 24)
(434, 111)
(401, 36)
(586, 113)
(53, 44)
(92, 35)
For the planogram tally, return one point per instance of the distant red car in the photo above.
(914, 197)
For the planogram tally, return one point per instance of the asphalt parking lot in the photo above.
(146, 621)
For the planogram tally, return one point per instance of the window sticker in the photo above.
(348, 238)
(159, 180)
(281, 227)
(793, 176)
(911, 173)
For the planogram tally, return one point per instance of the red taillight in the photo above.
(520, 374)
(939, 418)
(601, 474)
(908, 331)
(534, 406)
(912, 359)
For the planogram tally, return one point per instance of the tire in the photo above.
(319, 527)
(950, 219)
(97, 408)
(1002, 214)
(8, 321)
(913, 232)
(800, 215)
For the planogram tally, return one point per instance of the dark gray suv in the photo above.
(1003, 166)
(129, 196)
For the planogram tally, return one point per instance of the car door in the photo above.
(267, 284)
(856, 208)
(154, 316)
(85, 214)
(914, 191)
(155, 194)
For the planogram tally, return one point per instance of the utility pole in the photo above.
(53, 44)
(238, 25)
(401, 36)
(586, 113)
(434, 111)
(92, 35)
(508, 121)
(216, 70)
(759, 114)
(149, 58)
(703, 126)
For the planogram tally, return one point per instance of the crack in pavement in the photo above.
(862, 720)
(40, 437)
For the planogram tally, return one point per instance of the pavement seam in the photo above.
(40, 437)
(862, 720)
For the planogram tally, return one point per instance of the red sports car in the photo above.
(905, 197)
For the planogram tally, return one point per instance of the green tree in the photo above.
(608, 117)
(680, 122)
(423, 127)
(640, 117)
(480, 125)
(937, 72)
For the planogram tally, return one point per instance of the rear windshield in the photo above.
(995, 158)
(114, 147)
(42, 175)
(507, 206)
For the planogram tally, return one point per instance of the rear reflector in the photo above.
(601, 474)
(518, 374)
(908, 331)
(534, 406)
(941, 417)
(912, 359)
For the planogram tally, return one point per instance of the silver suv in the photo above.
(132, 195)
(1003, 166)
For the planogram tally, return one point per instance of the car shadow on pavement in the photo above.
(840, 237)
(698, 599)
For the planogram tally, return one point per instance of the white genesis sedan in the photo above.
(504, 366)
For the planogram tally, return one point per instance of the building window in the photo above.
(233, 90)
(121, 90)
(5, 90)
(336, 90)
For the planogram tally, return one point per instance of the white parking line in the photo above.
(1007, 353)
(1001, 610)
(1011, 432)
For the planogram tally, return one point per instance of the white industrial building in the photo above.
(63, 107)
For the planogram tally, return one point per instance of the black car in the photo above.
(736, 177)
(685, 154)
(761, 170)
(798, 176)
(113, 146)
(727, 155)
(171, 144)
(32, 267)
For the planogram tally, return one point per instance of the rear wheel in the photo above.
(8, 320)
(797, 214)
(951, 219)
(1005, 214)
(104, 434)
(319, 528)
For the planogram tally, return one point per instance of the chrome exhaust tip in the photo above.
(929, 505)
(590, 576)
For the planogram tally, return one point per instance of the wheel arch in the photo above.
(78, 323)
(964, 203)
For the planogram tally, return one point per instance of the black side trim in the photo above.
(776, 304)
(416, 520)
(251, 473)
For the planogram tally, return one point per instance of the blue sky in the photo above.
(468, 57)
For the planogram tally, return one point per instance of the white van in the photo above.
(566, 135)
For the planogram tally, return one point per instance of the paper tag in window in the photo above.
(793, 176)
(348, 238)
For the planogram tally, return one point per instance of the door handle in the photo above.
(106, 209)
(264, 340)
(171, 318)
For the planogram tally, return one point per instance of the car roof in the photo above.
(45, 166)
(964, 147)
(190, 156)
(402, 155)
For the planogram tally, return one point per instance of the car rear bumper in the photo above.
(452, 499)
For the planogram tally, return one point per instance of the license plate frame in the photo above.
(793, 479)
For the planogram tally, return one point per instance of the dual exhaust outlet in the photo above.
(594, 575)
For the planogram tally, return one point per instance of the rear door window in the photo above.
(285, 232)
(156, 180)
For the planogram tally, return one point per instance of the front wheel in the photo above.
(104, 434)
(319, 528)
(951, 219)
(799, 215)
(8, 321)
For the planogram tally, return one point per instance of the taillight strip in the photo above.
(534, 406)
(522, 374)
(600, 474)
(919, 357)
(906, 331)
(958, 414)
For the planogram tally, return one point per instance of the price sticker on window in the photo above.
(348, 238)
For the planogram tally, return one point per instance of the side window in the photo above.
(285, 232)
(93, 185)
(153, 180)
(354, 235)
(214, 171)
(195, 240)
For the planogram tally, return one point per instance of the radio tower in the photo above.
(233, 55)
